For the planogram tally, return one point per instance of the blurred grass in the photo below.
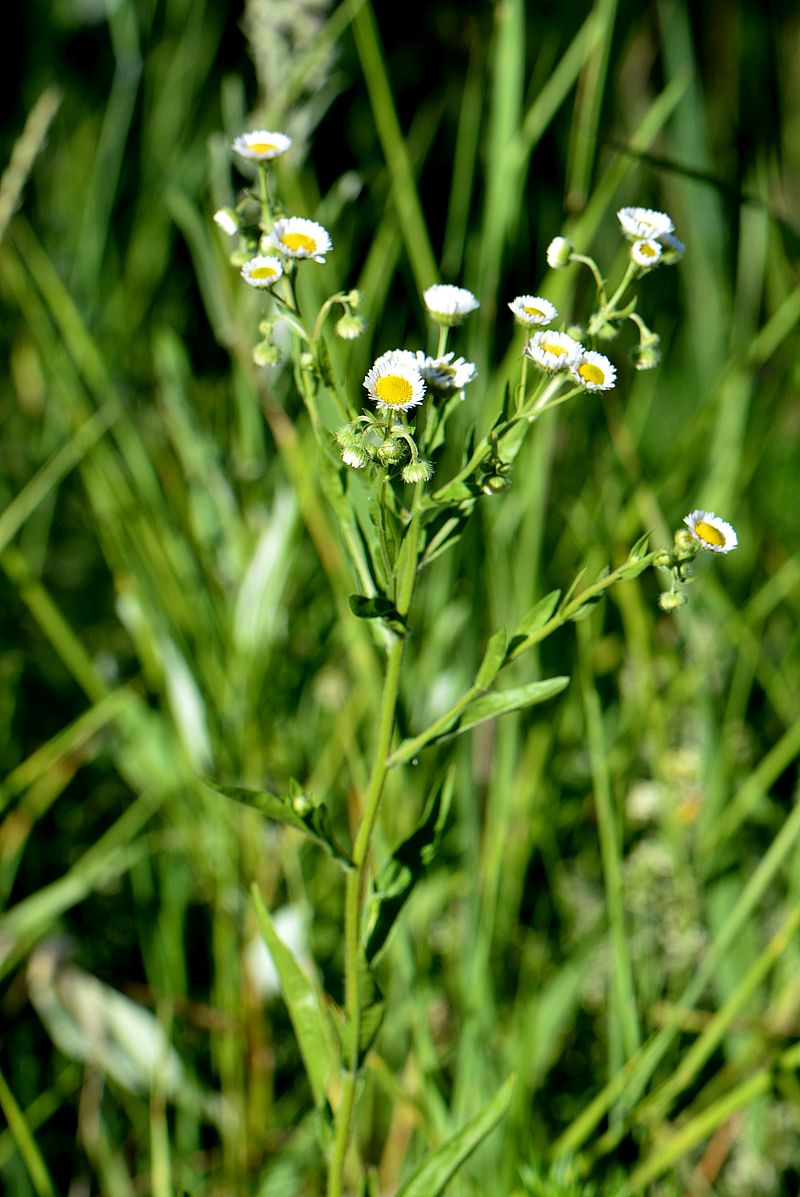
(174, 594)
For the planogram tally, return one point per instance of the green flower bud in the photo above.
(417, 471)
(349, 327)
(671, 600)
(266, 354)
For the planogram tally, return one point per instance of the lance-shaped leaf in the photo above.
(536, 618)
(493, 659)
(473, 708)
(439, 1166)
(445, 531)
(305, 1010)
(371, 1010)
(641, 548)
(297, 810)
(489, 706)
(406, 866)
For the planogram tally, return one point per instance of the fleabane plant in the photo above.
(393, 423)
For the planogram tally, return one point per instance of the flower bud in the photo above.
(558, 252)
(349, 327)
(227, 220)
(391, 450)
(417, 471)
(355, 456)
(671, 600)
(266, 354)
(646, 357)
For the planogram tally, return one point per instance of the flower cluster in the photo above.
(272, 245)
(651, 242)
(398, 382)
(556, 352)
(651, 235)
(703, 531)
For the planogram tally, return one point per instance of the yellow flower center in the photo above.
(263, 147)
(553, 347)
(648, 251)
(589, 372)
(709, 533)
(263, 272)
(297, 241)
(394, 390)
(532, 311)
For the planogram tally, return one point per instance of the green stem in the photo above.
(523, 381)
(354, 893)
(566, 612)
(598, 278)
(441, 348)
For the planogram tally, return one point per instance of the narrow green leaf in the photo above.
(571, 592)
(406, 866)
(490, 706)
(632, 569)
(313, 1037)
(297, 810)
(372, 1008)
(510, 442)
(493, 659)
(439, 1166)
(538, 615)
(456, 492)
(641, 548)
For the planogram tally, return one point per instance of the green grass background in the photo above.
(618, 895)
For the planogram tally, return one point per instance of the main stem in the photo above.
(354, 893)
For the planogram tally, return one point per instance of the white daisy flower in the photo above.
(449, 305)
(261, 146)
(446, 372)
(300, 238)
(532, 309)
(645, 223)
(558, 253)
(553, 350)
(593, 371)
(646, 252)
(712, 532)
(394, 382)
(262, 271)
(225, 219)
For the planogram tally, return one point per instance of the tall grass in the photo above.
(613, 912)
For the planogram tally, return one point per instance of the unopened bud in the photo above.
(266, 354)
(417, 471)
(558, 252)
(349, 327)
(227, 220)
(671, 600)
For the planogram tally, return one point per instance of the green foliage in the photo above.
(600, 893)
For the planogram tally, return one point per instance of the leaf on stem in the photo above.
(490, 706)
(431, 1176)
(404, 868)
(641, 548)
(377, 607)
(576, 581)
(305, 1010)
(297, 809)
(493, 659)
(536, 618)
